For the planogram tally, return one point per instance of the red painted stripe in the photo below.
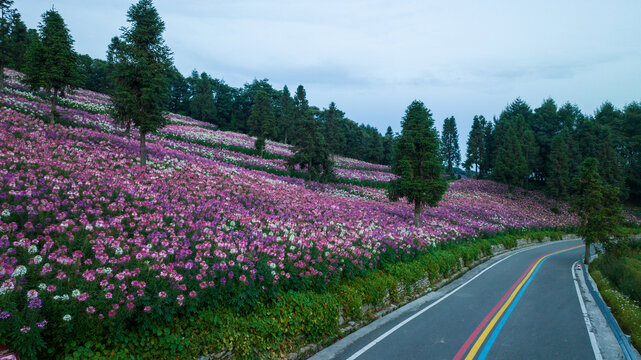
(476, 332)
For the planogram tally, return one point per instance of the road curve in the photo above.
(520, 305)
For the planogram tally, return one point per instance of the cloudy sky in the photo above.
(460, 57)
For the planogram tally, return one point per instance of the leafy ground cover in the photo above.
(618, 276)
(92, 243)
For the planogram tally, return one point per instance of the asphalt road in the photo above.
(520, 305)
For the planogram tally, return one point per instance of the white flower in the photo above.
(19, 271)
(118, 251)
(75, 293)
(66, 317)
(42, 286)
(272, 265)
(6, 213)
(107, 270)
(37, 259)
(89, 227)
(32, 249)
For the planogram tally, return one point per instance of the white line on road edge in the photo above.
(586, 318)
(401, 324)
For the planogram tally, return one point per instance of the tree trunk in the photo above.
(54, 98)
(587, 253)
(2, 79)
(417, 213)
(143, 149)
(476, 170)
(128, 129)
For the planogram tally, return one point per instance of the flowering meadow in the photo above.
(89, 239)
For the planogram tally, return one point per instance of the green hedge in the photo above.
(626, 311)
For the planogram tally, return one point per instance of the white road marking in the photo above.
(586, 318)
(401, 324)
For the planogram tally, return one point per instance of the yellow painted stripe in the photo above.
(497, 316)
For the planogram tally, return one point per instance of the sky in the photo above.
(374, 57)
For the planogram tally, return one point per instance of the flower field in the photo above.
(89, 238)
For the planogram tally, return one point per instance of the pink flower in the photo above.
(112, 313)
(90, 310)
(147, 308)
(162, 294)
(130, 305)
(108, 295)
(193, 293)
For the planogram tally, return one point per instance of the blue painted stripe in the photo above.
(497, 330)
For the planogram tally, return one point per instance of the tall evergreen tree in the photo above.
(511, 166)
(488, 157)
(18, 41)
(202, 105)
(529, 148)
(179, 100)
(141, 77)
(597, 205)
(388, 145)
(261, 121)
(418, 161)
(449, 145)
(334, 133)
(224, 103)
(632, 149)
(52, 65)
(286, 116)
(5, 27)
(475, 145)
(311, 151)
(558, 180)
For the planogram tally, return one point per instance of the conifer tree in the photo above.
(261, 121)
(141, 75)
(418, 161)
(203, 106)
(286, 116)
(475, 146)
(333, 133)
(388, 145)
(52, 63)
(5, 26)
(311, 151)
(511, 166)
(558, 180)
(449, 145)
(488, 157)
(597, 204)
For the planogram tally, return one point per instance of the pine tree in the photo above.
(558, 180)
(388, 145)
(449, 145)
(511, 166)
(142, 72)
(261, 121)
(528, 146)
(418, 161)
(52, 64)
(597, 205)
(311, 151)
(18, 41)
(5, 27)
(334, 133)
(286, 116)
(179, 98)
(475, 145)
(203, 106)
(488, 157)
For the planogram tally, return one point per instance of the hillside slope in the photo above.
(89, 237)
